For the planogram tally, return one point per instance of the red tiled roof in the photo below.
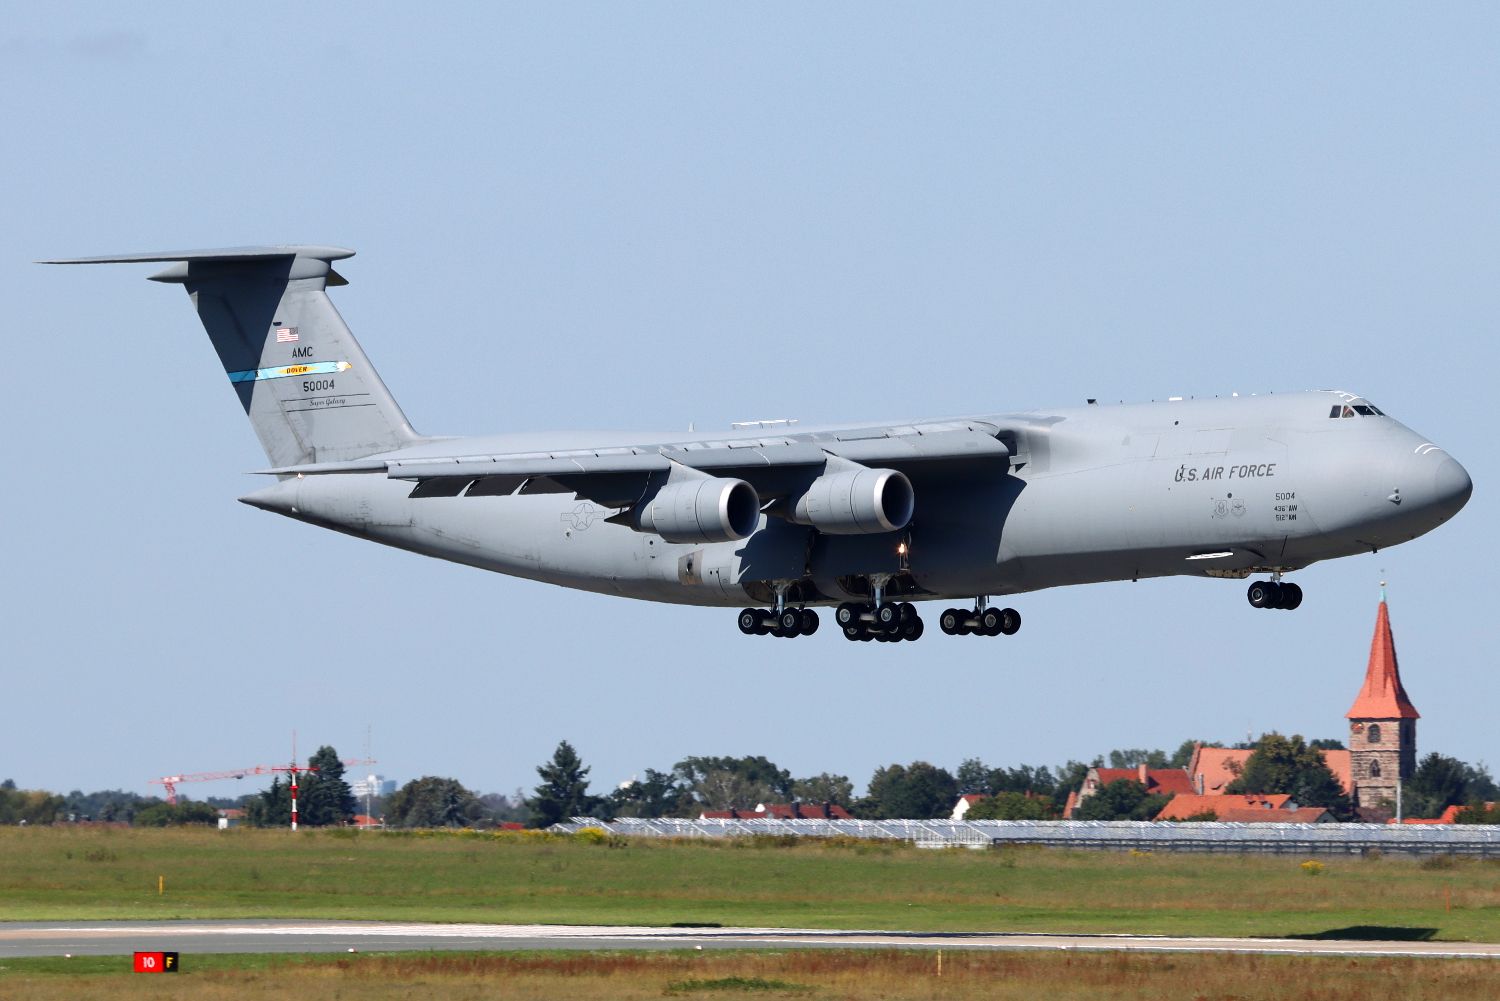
(1165, 780)
(1219, 766)
(1189, 804)
(1382, 696)
(1341, 764)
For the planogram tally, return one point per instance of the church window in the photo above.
(1373, 733)
(1374, 769)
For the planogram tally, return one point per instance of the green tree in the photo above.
(1130, 757)
(29, 806)
(169, 815)
(657, 795)
(1290, 765)
(1124, 799)
(564, 790)
(324, 798)
(1478, 813)
(1012, 806)
(721, 783)
(824, 788)
(432, 802)
(919, 791)
(1440, 782)
(976, 778)
(272, 808)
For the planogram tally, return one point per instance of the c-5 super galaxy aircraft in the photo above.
(868, 517)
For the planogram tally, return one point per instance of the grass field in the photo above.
(92, 873)
(813, 974)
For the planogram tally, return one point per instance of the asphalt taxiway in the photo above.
(102, 938)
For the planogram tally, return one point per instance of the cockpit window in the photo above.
(1354, 408)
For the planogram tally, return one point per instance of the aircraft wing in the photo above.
(777, 465)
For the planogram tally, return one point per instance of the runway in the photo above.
(57, 938)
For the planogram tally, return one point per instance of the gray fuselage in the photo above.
(1220, 487)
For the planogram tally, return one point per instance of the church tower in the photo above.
(1382, 724)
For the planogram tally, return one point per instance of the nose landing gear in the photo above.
(1274, 594)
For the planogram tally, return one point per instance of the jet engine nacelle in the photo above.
(856, 502)
(705, 510)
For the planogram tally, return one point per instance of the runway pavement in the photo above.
(57, 938)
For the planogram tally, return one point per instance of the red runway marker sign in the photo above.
(156, 962)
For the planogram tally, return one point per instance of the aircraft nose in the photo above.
(1451, 487)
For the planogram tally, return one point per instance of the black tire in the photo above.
(809, 622)
(888, 617)
(908, 612)
(1263, 594)
(1291, 596)
(849, 612)
(789, 623)
(854, 632)
(989, 622)
(948, 621)
(917, 629)
(1010, 621)
(750, 620)
(865, 635)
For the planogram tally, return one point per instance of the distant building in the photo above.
(1275, 808)
(1382, 725)
(1213, 768)
(231, 818)
(372, 785)
(1158, 781)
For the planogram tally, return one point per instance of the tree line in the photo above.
(915, 790)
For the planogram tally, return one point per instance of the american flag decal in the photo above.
(285, 335)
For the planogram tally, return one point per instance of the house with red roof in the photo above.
(1165, 781)
(1275, 808)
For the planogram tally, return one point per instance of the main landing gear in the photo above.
(890, 622)
(980, 621)
(786, 624)
(1274, 594)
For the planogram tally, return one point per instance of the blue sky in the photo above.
(644, 216)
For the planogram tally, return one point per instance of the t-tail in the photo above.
(308, 389)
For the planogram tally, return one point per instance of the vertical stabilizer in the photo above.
(307, 387)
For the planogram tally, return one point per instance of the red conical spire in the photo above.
(1382, 696)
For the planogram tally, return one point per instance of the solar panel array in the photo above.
(1427, 839)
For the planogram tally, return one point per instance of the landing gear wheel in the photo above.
(912, 630)
(854, 632)
(990, 622)
(1291, 596)
(888, 617)
(809, 621)
(950, 621)
(789, 623)
(750, 621)
(848, 613)
(1010, 621)
(1264, 594)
